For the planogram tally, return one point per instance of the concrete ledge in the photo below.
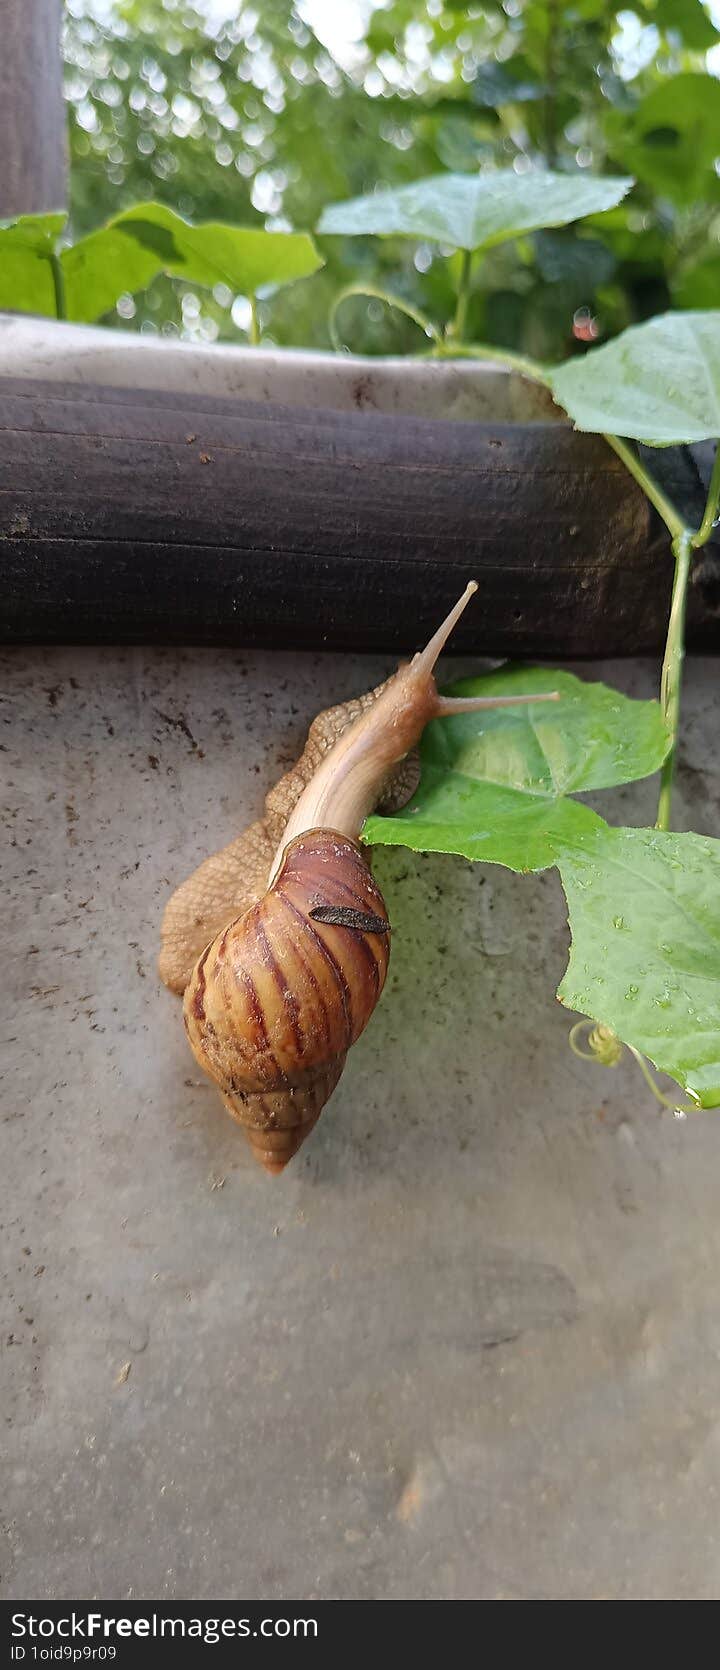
(467, 1346)
(44, 350)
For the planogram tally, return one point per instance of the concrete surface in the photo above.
(460, 389)
(468, 1346)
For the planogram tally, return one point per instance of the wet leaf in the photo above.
(644, 910)
(475, 211)
(495, 786)
(658, 382)
(453, 813)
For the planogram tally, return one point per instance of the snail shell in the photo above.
(276, 1000)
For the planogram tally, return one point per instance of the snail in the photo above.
(281, 942)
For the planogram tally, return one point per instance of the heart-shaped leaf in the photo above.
(495, 785)
(658, 382)
(27, 245)
(475, 211)
(452, 812)
(126, 255)
(644, 909)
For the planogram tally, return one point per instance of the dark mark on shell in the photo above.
(344, 916)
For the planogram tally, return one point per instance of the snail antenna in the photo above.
(424, 662)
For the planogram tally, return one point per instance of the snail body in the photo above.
(278, 996)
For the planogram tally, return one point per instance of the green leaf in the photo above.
(475, 211)
(453, 813)
(37, 232)
(644, 909)
(494, 785)
(674, 138)
(126, 255)
(27, 245)
(687, 19)
(658, 382)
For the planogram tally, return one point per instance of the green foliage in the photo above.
(474, 212)
(644, 909)
(124, 256)
(489, 822)
(644, 905)
(699, 286)
(248, 121)
(244, 115)
(673, 139)
(685, 20)
(496, 786)
(27, 245)
(577, 262)
(658, 382)
(496, 85)
(84, 280)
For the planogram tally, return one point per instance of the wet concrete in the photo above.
(468, 1345)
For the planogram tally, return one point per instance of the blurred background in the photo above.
(262, 113)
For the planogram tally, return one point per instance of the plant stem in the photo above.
(59, 286)
(254, 322)
(684, 543)
(463, 296)
(482, 351)
(670, 683)
(711, 508)
(418, 318)
(664, 506)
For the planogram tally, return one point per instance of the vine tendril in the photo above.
(374, 293)
(606, 1049)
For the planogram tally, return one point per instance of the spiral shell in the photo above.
(278, 997)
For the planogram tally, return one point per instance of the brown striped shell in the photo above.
(278, 997)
